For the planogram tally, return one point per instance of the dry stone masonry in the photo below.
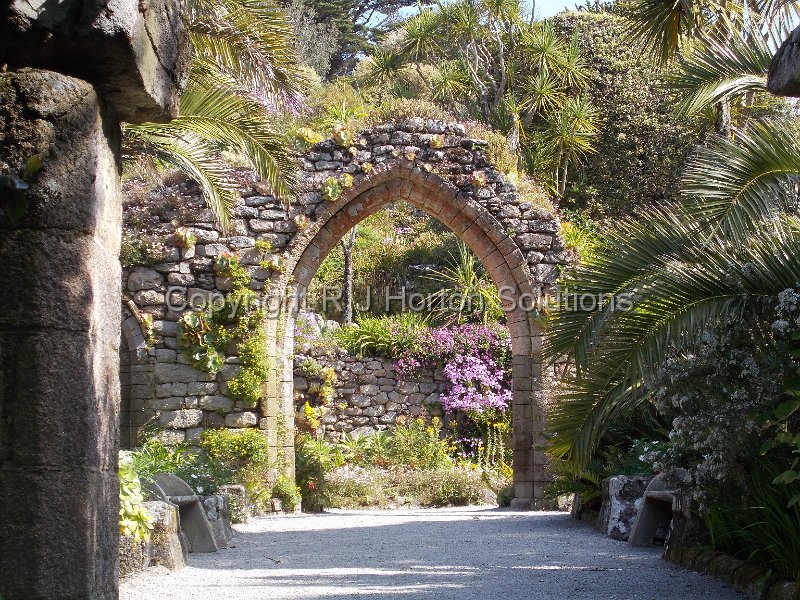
(432, 165)
(369, 394)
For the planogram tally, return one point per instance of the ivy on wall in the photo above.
(204, 335)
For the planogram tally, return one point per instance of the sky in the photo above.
(547, 8)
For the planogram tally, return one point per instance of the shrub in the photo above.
(453, 486)
(287, 492)
(505, 496)
(643, 144)
(356, 487)
(419, 445)
(759, 527)
(134, 519)
(388, 336)
(310, 465)
(236, 447)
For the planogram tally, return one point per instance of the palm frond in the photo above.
(659, 25)
(250, 41)
(240, 124)
(685, 292)
(191, 154)
(718, 69)
(734, 184)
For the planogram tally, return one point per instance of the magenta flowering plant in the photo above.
(476, 360)
(477, 384)
(438, 345)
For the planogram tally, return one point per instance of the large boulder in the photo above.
(622, 499)
(166, 548)
(135, 52)
(784, 72)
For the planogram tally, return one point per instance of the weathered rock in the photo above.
(136, 54)
(784, 71)
(244, 419)
(166, 548)
(622, 498)
(216, 508)
(134, 555)
(59, 332)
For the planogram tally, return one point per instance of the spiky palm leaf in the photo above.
(420, 36)
(250, 41)
(718, 69)
(244, 69)
(451, 82)
(191, 154)
(742, 183)
(682, 293)
(543, 93)
(660, 25)
(728, 248)
(543, 49)
(384, 68)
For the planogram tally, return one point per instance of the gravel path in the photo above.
(443, 554)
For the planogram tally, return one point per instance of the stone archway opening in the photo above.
(431, 165)
(471, 198)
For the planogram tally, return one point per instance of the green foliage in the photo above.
(141, 249)
(418, 445)
(311, 459)
(203, 336)
(582, 239)
(759, 527)
(203, 341)
(14, 188)
(243, 63)
(505, 496)
(643, 144)
(201, 472)
(381, 336)
(235, 447)
(465, 291)
(247, 385)
(287, 492)
(134, 518)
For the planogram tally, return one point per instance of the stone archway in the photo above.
(433, 167)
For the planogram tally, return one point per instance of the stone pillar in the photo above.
(59, 338)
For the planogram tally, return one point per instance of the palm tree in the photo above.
(465, 290)
(243, 71)
(665, 277)
(666, 26)
(568, 135)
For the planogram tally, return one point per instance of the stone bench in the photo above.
(193, 522)
(655, 512)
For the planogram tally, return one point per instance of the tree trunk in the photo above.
(348, 242)
(723, 124)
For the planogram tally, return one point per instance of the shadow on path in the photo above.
(448, 554)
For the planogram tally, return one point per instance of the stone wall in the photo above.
(165, 391)
(369, 395)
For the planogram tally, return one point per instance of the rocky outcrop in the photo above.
(784, 72)
(135, 53)
(622, 498)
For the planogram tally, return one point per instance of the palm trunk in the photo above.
(723, 124)
(347, 289)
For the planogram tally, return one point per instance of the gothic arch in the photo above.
(435, 168)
